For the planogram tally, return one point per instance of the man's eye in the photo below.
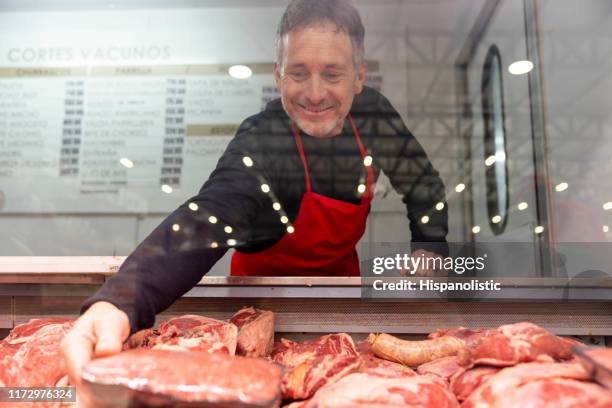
(332, 76)
(298, 75)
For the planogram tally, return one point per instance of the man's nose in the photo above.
(315, 90)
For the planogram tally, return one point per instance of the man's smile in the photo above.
(316, 111)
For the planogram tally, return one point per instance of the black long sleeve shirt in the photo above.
(171, 260)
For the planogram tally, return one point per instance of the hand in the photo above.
(99, 332)
(422, 270)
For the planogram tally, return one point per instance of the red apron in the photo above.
(326, 231)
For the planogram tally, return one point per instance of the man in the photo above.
(291, 192)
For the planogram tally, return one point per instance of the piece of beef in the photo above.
(368, 390)
(188, 333)
(22, 332)
(557, 393)
(30, 355)
(511, 344)
(255, 332)
(598, 362)
(39, 361)
(444, 367)
(373, 365)
(168, 378)
(464, 382)
(312, 364)
(500, 386)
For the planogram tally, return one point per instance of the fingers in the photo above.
(77, 348)
(110, 336)
(99, 332)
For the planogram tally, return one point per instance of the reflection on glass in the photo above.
(495, 141)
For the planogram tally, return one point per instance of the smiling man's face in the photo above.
(317, 78)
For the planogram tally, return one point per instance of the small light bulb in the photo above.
(228, 229)
(176, 227)
(367, 161)
(231, 242)
(284, 219)
(361, 188)
(496, 219)
(265, 188)
(193, 207)
(522, 206)
(475, 229)
(539, 229)
(247, 161)
(460, 187)
(440, 206)
(212, 219)
(214, 245)
(276, 206)
(290, 229)
(166, 189)
(424, 219)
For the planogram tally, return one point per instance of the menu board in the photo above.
(118, 138)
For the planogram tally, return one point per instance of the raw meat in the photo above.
(463, 383)
(498, 388)
(171, 378)
(255, 332)
(377, 366)
(189, 333)
(39, 362)
(367, 390)
(22, 332)
(444, 367)
(557, 393)
(30, 355)
(312, 364)
(601, 355)
(511, 344)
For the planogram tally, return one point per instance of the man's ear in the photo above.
(277, 76)
(361, 74)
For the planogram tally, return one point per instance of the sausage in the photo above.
(415, 353)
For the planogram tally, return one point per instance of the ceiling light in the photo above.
(460, 187)
(166, 189)
(539, 229)
(475, 229)
(561, 187)
(125, 162)
(240, 71)
(522, 206)
(520, 67)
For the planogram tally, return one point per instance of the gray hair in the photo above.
(342, 13)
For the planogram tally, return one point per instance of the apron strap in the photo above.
(370, 175)
(298, 142)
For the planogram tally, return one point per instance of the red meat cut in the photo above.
(367, 390)
(30, 355)
(444, 367)
(171, 378)
(373, 365)
(511, 344)
(255, 332)
(507, 387)
(312, 364)
(189, 333)
(463, 383)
